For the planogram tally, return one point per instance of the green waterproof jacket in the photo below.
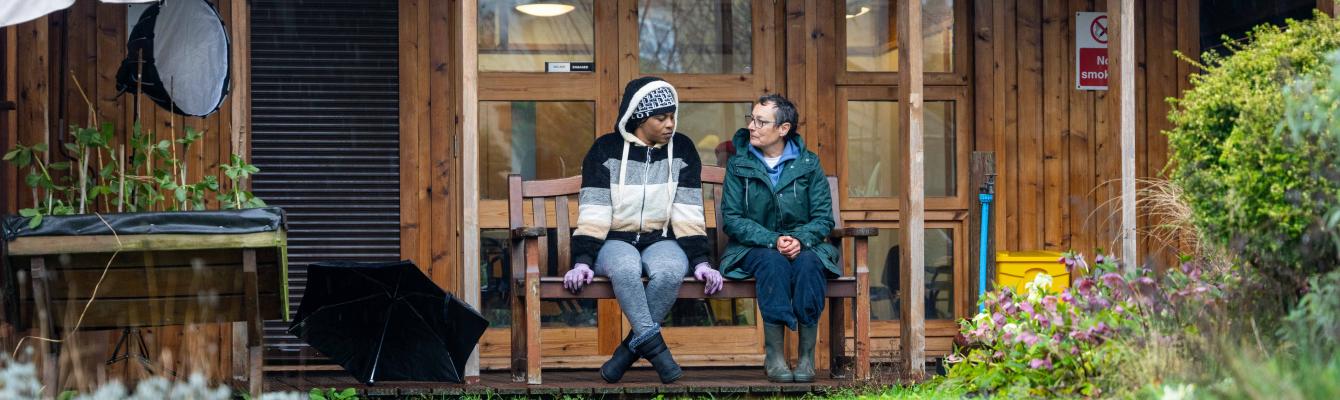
(756, 213)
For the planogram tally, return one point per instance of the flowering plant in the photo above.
(1042, 344)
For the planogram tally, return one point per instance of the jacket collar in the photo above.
(747, 165)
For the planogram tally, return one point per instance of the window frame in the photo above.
(962, 53)
(962, 144)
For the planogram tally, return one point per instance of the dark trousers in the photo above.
(789, 291)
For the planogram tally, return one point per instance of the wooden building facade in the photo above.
(999, 78)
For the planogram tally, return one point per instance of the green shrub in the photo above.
(1253, 188)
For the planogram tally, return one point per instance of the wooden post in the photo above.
(255, 330)
(241, 99)
(1122, 13)
(469, 132)
(912, 195)
(982, 165)
(46, 327)
(1326, 6)
(9, 178)
(239, 124)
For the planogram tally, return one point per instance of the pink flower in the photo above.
(1113, 280)
(1085, 286)
(1067, 297)
(1098, 259)
(1027, 307)
(998, 318)
(1040, 363)
(1028, 338)
(998, 355)
(1049, 303)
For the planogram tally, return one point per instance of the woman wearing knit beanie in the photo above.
(641, 211)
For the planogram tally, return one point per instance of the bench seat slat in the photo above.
(551, 288)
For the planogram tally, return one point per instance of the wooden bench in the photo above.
(530, 253)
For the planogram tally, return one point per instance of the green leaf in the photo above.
(34, 179)
(24, 158)
(180, 194)
(108, 131)
(40, 147)
(29, 212)
(60, 166)
(12, 153)
(35, 222)
(73, 148)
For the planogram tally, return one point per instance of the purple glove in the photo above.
(579, 276)
(704, 272)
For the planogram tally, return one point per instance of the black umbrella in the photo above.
(386, 321)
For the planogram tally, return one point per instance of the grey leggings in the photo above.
(665, 265)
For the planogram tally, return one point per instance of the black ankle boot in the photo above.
(619, 363)
(655, 350)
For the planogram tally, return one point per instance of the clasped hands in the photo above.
(789, 246)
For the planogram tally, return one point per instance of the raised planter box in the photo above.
(164, 268)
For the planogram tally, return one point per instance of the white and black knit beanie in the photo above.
(642, 98)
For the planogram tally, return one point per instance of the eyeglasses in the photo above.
(749, 120)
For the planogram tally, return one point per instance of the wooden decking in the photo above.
(640, 382)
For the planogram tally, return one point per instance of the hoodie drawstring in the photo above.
(671, 182)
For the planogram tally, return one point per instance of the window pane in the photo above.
(872, 35)
(695, 36)
(495, 270)
(711, 125)
(873, 153)
(514, 40)
(537, 139)
(939, 278)
(872, 149)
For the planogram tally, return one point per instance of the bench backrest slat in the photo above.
(560, 191)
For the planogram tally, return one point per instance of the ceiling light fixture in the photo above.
(541, 9)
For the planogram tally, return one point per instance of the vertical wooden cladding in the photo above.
(1056, 147)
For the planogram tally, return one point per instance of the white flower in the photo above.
(1011, 328)
(982, 319)
(1040, 286)
(1179, 392)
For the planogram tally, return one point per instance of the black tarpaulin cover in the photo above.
(386, 322)
(251, 220)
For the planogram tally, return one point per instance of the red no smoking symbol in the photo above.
(1098, 29)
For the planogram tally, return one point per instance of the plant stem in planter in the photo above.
(121, 195)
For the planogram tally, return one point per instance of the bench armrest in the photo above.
(853, 232)
(527, 232)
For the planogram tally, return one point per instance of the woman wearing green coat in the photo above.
(778, 213)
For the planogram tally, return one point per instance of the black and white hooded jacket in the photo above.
(637, 193)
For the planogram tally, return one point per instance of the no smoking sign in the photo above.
(1091, 51)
